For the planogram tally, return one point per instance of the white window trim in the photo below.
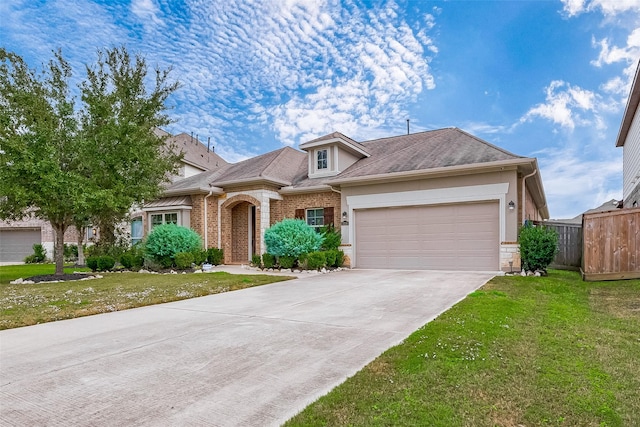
(139, 219)
(164, 213)
(326, 159)
(306, 217)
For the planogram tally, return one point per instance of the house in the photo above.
(441, 199)
(629, 140)
(18, 237)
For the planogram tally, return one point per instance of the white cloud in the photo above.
(565, 105)
(147, 11)
(629, 54)
(607, 7)
(575, 182)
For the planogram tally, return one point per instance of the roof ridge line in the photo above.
(487, 143)
(395, 152)
(270, 165)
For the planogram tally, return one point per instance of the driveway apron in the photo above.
(253, 357)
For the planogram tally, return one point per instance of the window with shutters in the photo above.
(315, 217)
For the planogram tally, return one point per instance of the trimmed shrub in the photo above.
(538, 246)
(199, 257)
(169, 239)
(286, 261)
(132, 259)
(39, 254)
(106, 262)
(316, 260)
(332, 238)
(339, 259)
(255, 260)
(92, 263)
(215, 256)
(331, 257)
(268, 260)
(183, 260)
(291, 237)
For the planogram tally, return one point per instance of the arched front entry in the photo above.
(240, 229)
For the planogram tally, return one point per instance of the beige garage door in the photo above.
(16, 245)
(448, 237)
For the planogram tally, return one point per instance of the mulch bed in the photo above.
(59, 278)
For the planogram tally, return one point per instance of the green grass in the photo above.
(550, 351)
(23, 305)
(13, 272)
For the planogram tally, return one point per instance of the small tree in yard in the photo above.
(538, 247)
(68, 166)
(292, 237)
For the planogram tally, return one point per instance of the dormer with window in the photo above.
(331, 154)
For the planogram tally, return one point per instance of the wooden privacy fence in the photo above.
(569, 256)
(611, 248)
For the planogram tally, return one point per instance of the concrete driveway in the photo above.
(253, 357)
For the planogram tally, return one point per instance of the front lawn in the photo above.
(23, 305)
(520, 351)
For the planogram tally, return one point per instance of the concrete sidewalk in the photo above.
(253, 357)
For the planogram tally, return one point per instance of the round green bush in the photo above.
(538, 246)
(183, 260)
(106, 262)
(169, 239)
(316, 260)
(292, 237)
(215, 256)
(268, 260)
(92, 263)
(286, 261)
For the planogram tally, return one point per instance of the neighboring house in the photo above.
(629, 140)
(441, 199)
(18, 237)
(611, 205)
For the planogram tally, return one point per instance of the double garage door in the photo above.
(16, 245)
(444, 237)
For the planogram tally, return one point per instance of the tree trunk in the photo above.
(59, 229)
(80, 260)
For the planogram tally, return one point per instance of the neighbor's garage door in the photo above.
(16, 245)
(448, 237)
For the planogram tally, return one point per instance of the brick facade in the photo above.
(291, 202)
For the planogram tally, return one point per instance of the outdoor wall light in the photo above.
(512, 205)
(344, 216)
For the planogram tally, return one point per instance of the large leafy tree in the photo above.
(69, 165)
(126, 160)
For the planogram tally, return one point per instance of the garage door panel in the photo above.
(16, 245)
(445, 237)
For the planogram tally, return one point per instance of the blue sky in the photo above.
(546, 79)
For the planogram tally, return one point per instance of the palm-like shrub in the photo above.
(292, 237)
(165, 241)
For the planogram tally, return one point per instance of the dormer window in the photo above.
(322, 159)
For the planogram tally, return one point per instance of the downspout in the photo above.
(524, 194)
(206, 221)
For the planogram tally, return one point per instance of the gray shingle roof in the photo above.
(280, 165)
(414, 152)
(196, 153)
(423, 151)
